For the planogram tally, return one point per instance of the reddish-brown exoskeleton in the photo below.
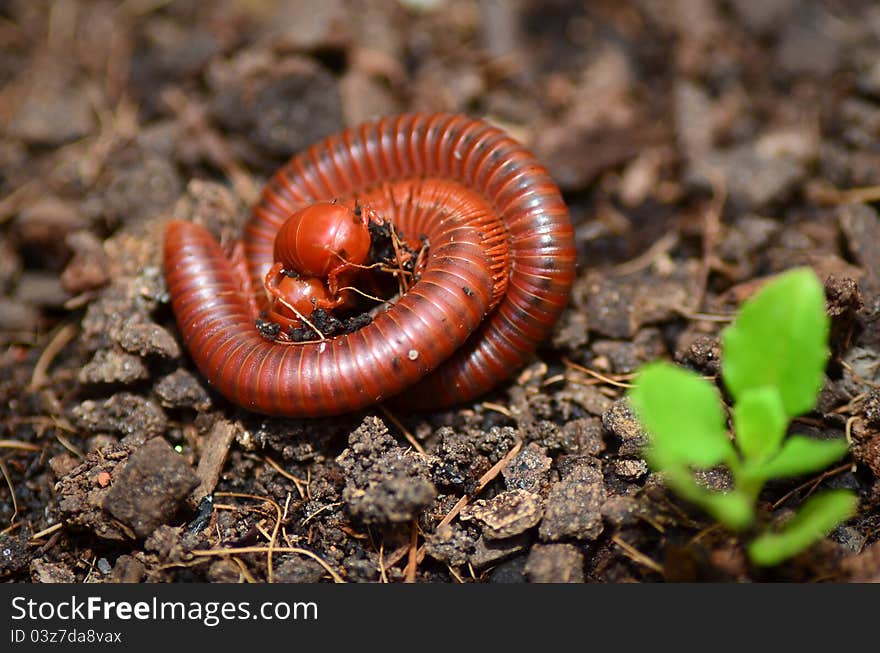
(498, 274)
(317, 250)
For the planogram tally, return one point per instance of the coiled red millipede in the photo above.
(500, 268)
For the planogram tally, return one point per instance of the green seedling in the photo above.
(773, 364)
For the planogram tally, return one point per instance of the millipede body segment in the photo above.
(499, 267)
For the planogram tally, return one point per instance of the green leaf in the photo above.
(801, 455)
(682, 414)
(816, 518)
(733, 509)
(759, 422)
(779, 339)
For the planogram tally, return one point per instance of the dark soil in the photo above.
(702, 146)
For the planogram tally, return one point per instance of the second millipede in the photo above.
(500, 266)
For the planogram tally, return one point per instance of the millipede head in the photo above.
(321, 238)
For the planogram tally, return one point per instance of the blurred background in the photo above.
(108, 109)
